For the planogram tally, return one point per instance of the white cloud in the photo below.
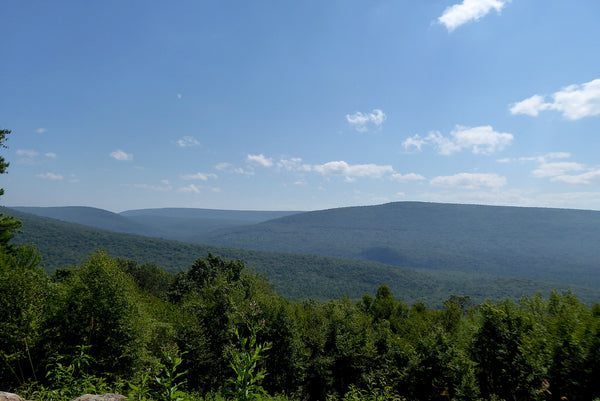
(156, 188)
(480, 140)
(199, 176)
(356, 170)
(414, 141)
(179, 96)
(121, 155)
(51, 155)
(260, 160)
(470, 181)
(41, 130)
(469, 10)
(556, 169)
(574, 102)
(407, 177)
(586, 178)
(27, 153)
(363, 121)
(230, 168)
(50, 176)
(530, 106)
(292, 164)
(190, 189)
(444, 145)
(539, 159)
(188, 141)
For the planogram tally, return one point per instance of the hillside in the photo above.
(294, 276)
(191, 224)
(558, 245)
(89, 216)
(181, 224)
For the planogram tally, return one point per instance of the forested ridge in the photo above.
(294, 276)
(216, 330)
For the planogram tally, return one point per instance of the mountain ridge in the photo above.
(294, 276)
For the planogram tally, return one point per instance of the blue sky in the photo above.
(281, 105)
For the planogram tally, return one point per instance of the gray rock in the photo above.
(103, 397)
(10, 397)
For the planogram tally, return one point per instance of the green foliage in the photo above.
(69, 377)
(371, 394)
(95, 306)
(245, 364)
(25, 289)
(9, 226)
(170, 380)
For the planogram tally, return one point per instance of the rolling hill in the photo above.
(181, 224)
(294, 276)
(535, 243)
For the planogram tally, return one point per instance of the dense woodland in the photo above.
(218, 330)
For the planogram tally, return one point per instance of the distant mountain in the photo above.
(88, 216)
(249, 216)
(294, 276)
(181, 224)
(190, 224)
(535, 243)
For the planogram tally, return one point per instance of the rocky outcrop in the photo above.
(103, 397)
(10, 397)
(88, 397)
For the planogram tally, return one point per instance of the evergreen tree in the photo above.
(8, 225)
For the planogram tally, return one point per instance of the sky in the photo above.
(300, 105)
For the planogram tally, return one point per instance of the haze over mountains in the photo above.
(182, 224)
(551, 247)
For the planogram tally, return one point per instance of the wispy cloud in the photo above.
(467, 11)
(470, 181)
(230, 168)
(407, 177)
(560, 171)
(166, 187)
(121, 155)
(50, 176)
(587, 178)
(51, 155)
(357, 170)
(363, 122)
(556, 169)
(27, 153)
(540, 159)
(190, 189)
(199, 176)
(261, 160)
(41, 130)
(187, 141)
(295, 163)
(480, 140)
(574, 102)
